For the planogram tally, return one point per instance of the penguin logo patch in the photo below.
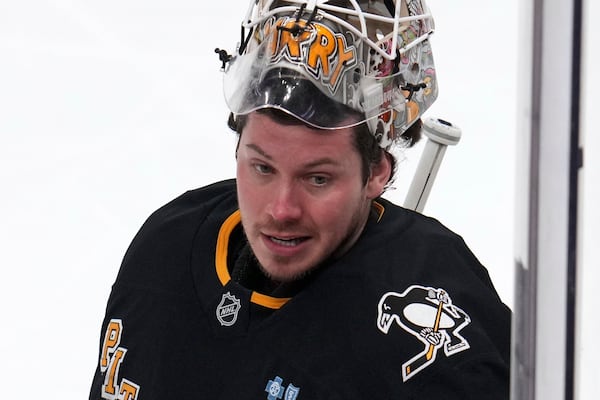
(430, 316)
(227, 310)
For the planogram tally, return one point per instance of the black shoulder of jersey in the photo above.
(408, 233)
(166, 237)
(405, 249)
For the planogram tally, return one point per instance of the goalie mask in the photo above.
(335, 63)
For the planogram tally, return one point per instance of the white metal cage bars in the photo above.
(259, 12)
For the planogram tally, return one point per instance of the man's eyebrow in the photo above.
(260, 151)
(312, 164)
(322, 161)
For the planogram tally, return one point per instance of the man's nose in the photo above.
(285, 204)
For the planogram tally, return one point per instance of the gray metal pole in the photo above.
(548, 160)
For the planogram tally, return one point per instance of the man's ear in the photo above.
(381, 173)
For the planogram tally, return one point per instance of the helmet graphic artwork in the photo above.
(335, 63)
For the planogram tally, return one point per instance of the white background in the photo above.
(109, 109)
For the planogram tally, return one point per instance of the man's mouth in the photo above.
(288, 242)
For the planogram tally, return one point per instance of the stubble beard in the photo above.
(353, 233)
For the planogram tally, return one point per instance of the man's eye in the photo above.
(319, 180)
(263, 169)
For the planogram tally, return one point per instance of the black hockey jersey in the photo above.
(407, 313)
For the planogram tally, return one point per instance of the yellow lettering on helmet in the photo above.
(289, 40)
(112, 338)
(322, 47)
(272, 30)
(315, 46)
(345, 58)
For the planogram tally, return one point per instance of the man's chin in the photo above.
(285, 274)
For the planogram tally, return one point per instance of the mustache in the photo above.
(272, 225)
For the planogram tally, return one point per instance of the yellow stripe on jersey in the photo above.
(379, 209)
(221, 263)
(222, 246)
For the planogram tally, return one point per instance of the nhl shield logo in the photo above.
(227, 310)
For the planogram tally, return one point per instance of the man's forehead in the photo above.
(308, 146)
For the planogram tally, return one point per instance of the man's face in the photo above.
(301, 194)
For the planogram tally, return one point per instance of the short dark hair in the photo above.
(364, 142)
